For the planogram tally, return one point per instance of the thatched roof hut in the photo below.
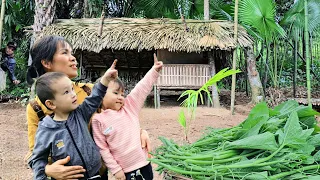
(133, 42)
(148, 34)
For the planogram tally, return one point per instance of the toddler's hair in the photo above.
(44, 84)
(120, 83)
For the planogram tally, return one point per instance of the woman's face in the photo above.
(63, 61)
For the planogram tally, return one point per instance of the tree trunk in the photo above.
(206, 10)
(86, 9)
(215, 95)
(306, 33)
(43, 16)
(253, 76)
(275, 60)
(235, 55)
(266, 62)
(310, 48)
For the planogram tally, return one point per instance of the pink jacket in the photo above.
(117, 133)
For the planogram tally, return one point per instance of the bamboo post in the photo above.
(80, 66)
(306, 35)
(234, 62)
(155, 96)
(206, 13)
(2, 73)
(3, 5)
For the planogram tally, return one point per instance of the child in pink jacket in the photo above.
(116, 130)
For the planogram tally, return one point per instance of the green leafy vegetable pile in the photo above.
(279, 143)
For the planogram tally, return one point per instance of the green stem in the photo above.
(221, 161)
(253, 164)
(210, 156)
(305, 168)
(178, 170)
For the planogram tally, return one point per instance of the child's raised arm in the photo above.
(138, 95)
(92, 102)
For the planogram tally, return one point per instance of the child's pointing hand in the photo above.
(110, 75)
(157, 64)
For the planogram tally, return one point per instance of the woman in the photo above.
(53, 54)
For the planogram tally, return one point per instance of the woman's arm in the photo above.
(145, 140)
(32, 120)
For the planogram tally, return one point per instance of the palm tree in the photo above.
(44, 12)
(294, 21)
(259, 19)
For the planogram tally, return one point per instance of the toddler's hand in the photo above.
(110, 75)
(157, 64)
(120, 175)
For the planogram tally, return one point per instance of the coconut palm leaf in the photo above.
(294, 18)
(260, 15)
(158, 8)
(218, 9)
(221, 10)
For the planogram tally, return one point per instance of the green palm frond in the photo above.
(222, 10)
(218, 9)
(182, 119)
(314, 15)
(260, 15)
(294, 18)
(191, 102)
(158, 8)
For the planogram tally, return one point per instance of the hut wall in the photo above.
(132, 65)
(181, 57)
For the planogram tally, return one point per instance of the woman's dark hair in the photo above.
(43, 49)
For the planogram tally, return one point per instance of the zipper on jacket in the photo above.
(81, 157)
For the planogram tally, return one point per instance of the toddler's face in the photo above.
(114, 98)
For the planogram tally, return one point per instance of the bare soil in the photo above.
(158, 122)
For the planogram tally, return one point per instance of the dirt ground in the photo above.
(158, 122)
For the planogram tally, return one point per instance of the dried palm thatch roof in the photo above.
(139, 34)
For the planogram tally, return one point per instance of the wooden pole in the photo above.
(306, 37)
(206, 10)
(3, 5)
(234, 61)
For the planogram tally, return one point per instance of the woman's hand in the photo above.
(58, 171)
(145, 140)
(120, 175)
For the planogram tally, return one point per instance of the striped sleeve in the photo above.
(101, 142)
(135, 100)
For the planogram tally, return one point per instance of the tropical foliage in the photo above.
(274, 44)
